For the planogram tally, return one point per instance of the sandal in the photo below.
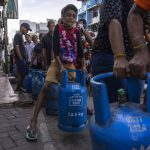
(31, 133)
(90, 111)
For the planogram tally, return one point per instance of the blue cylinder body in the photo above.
(72, 103)
(119, 127)
(51, 99)
(37, 84)
(27, 83)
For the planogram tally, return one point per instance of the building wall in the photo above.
(36, 27)
(43, 26)
(90, 12)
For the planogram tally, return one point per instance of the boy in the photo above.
(67, 49)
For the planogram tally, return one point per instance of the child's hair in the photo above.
(69, 7)
(83, 20)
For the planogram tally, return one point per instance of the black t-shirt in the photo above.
(113, 9)
(18, 40)
(56, 44)
(47, 44)
(38, 51)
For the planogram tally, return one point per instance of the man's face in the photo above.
(51, 27)
(69, 18)
(24, 30)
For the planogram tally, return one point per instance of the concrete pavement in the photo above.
(15, 115)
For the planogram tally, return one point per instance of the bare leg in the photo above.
(89, 111)
(38, 105)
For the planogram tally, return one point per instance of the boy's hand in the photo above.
(89, 75)
(62, 68)
(84, 68)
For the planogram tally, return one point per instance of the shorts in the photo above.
(53, 73)
(22, 67)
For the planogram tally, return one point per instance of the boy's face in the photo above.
(51, 27)
(34, 38)
(28, 38)
(69, 18)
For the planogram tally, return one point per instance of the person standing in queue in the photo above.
(67, 48)
(47, 45)
(20, 55)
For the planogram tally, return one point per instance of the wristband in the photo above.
(139, 46)
(119, 54)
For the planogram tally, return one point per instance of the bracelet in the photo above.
(139, 46)
(119, 54)
(138, 36)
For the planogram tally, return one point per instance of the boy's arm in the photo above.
(60, 63)
(56, 48)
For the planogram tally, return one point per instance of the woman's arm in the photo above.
(116, 40)
(138, 65)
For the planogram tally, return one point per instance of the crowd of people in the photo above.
(120, 47)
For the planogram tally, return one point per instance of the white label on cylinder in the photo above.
(142, 148)
(76, 100)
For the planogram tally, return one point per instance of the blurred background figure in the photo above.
(47, 51)
(37, 54)
(29, 46)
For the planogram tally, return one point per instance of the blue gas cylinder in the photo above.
(34, 83)
(37, 84)
(72, 114)
(14, 71)
(27, 83)
(119, 126)
(51, 99)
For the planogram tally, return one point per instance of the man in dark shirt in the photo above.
(47, 45)
(20, 55)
